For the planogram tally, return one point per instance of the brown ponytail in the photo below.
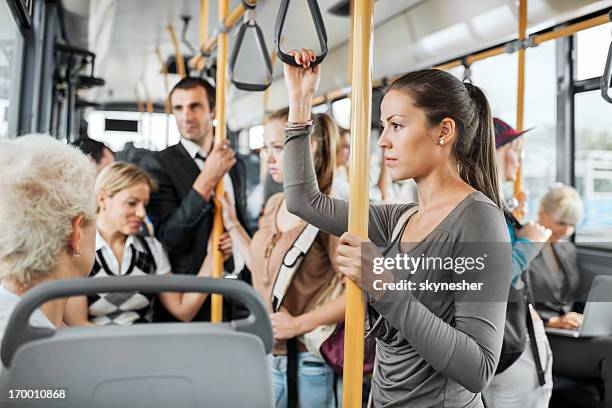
(441, 95)
(479, 166)
(325, 134)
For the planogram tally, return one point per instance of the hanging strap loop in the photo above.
(248, 6)
(250, 23)
(605, 78)
(319, 26)
(467, 71)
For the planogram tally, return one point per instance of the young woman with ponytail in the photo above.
(433, 348)
(314, 297)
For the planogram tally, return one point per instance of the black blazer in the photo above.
(555, 293)
(182, 219)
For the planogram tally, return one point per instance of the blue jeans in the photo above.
(315, 381)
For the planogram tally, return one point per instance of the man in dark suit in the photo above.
(182, 208)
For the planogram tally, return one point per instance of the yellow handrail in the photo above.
(470, 59)
(203, 35)
(228, 23)
(266, 95)
(520, 100)
(572, 29)
(167, 108)
(164, 71)
(180, 62)
(220, 136)
(361, 111)
(139, 104)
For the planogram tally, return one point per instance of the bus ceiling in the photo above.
(429, 37)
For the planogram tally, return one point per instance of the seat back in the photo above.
(147, 365)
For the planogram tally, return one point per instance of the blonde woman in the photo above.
(47, 219)
(122, 191)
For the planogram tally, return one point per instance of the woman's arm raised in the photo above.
(302, 194)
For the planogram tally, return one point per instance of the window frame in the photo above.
(568, 88)
(22, 17)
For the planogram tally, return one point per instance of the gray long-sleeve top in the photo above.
(434, 349)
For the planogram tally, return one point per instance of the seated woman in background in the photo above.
(122, 192)
(47, 219)
(555, 279)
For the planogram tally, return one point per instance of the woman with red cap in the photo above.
(520, 385)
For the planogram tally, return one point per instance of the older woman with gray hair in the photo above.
(47, 219)
(555, 279)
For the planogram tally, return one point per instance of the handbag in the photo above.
(332, 351)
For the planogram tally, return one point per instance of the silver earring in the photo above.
(441, 142)
(77, 254)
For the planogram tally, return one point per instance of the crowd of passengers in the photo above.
(64, 214)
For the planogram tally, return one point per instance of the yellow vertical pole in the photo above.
(139, 104)
(220, 136)
(520, 103)
(203, 36)
(350, 43)
(164, 71)
(266, 95)
(167, 108)
(361, 112)
(149, 110)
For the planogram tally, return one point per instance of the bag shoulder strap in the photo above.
(403, 219)
(291, 263)
(529, 300)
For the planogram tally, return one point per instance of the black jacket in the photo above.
(181, 217)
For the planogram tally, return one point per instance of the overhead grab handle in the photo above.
(250, 24)
(605, 78)
(315, 12)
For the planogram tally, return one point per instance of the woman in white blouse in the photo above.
(122, 192)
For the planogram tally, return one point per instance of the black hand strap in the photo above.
(315, 12)
(605, 78)
(248, 5)
(263, 51)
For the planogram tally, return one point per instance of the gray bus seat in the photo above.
(146, 365)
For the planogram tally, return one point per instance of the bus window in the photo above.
(501, 94)
(10, 71)
(256, 139)
(341, 111)
(321, 108)
(156, 131)
(540, 157)
(591, 51)
(593, 166)
(540, 113)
